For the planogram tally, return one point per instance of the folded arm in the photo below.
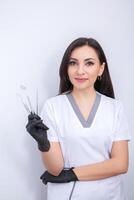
(53, 159)
(117, 164)
(50, 151)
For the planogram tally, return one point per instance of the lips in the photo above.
(81, 78)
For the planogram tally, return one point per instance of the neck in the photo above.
(84, 94)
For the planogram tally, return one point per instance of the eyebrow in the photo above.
(84, 59)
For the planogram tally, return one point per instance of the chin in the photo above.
(82, 87)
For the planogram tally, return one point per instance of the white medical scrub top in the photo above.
(85, 142)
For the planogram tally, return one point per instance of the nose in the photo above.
(80, 69)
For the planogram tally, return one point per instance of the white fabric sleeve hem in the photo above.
(121, 128)
(52, 139)
(122, 138)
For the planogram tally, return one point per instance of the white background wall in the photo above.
(33, 37)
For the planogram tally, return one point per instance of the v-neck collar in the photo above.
(85, 123)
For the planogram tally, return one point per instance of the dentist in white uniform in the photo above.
(88, 130)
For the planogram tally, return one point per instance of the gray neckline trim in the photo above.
(85, 123)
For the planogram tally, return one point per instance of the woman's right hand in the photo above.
(38, 131)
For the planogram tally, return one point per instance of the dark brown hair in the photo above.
(103, 86)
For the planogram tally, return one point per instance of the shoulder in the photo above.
(54, 105)
(112, 103)
(51, 105)
(55, 100)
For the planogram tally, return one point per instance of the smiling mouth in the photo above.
(80, 80)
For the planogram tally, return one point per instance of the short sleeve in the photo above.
(47, 115)
(121, 128)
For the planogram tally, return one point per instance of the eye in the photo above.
(89, 63)
(72, 62)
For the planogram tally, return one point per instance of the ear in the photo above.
(101, 70)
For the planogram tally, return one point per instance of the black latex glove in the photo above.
(38, 131)
(66, 175)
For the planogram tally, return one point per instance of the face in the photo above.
(84, 67)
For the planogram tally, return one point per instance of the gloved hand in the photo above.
(38, 131)
(64, 177)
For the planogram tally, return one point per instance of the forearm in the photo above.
(53, 159)
(101, 170)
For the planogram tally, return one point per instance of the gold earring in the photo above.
(99, 78)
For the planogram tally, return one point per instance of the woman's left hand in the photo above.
(66, 175)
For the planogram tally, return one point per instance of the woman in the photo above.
(84, 134)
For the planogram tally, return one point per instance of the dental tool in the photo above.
(24, 104)
(23, 87)
(37, 109)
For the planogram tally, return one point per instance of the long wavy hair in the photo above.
(103, 86)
